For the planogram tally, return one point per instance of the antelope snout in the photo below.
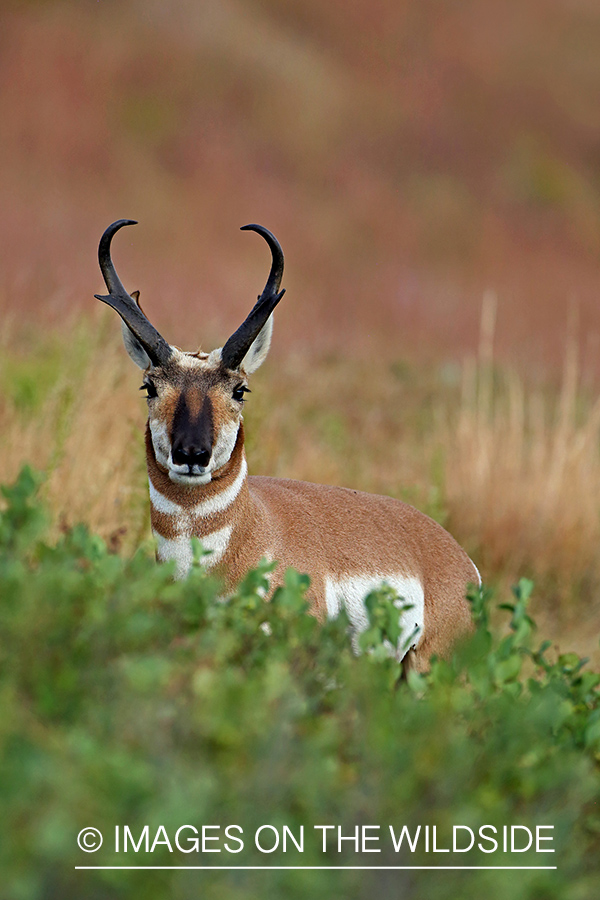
(191, 455)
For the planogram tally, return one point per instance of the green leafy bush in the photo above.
(129, 700)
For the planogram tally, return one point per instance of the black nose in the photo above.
(190, 456)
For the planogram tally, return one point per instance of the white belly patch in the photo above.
(350, 593)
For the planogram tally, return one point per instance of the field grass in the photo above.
(512, 470)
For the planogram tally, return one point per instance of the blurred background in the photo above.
(409, 155)
(432, 170)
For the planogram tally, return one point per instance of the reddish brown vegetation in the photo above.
(409, 155)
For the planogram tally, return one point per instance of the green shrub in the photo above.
(129, 700)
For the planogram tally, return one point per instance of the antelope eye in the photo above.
(239, 391)
(150, 387)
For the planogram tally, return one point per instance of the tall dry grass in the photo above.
(78, 421)
(512, 470)
(522, 477)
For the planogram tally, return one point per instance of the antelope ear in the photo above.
(259, 348)
(132, 345)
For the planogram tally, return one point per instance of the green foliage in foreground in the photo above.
(128, 700)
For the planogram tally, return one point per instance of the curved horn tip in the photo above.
(268, 236)
(112, 229)
(104, 249)
(114, 226)
(260, 229)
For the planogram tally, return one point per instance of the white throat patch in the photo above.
(215, 504)
(180, 550)
(186, 522)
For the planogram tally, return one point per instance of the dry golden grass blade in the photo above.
(522, 483)
(83, 431)
(99, 477)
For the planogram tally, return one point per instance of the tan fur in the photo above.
(324, 531)
(348, 542)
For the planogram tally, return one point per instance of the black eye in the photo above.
(150, 387)
(239, 391)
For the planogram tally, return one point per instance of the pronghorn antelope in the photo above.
(347, 541)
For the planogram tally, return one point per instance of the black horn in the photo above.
(153, 343)
(240, 342)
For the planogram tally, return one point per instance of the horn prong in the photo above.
(158, 350)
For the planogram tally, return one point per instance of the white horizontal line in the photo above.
(312, 868)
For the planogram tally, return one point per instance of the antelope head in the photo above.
(195, 400)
